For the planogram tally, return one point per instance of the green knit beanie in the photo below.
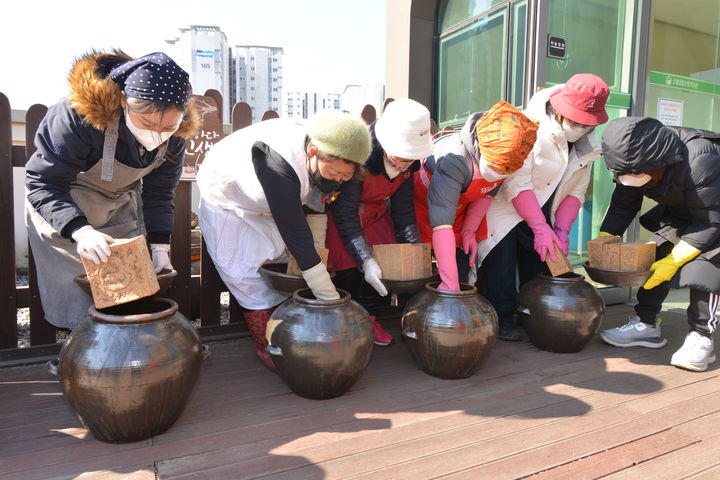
(340, 135)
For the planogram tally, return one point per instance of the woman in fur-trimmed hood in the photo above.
(108, 159)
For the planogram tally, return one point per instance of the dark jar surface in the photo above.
(320, 347)
(128, 371)
(560, 314)
(449, 334)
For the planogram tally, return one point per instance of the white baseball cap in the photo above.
(403, 130)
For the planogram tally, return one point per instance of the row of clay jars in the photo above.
(129, 372)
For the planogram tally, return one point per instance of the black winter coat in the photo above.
(70, 139)
(688, 194)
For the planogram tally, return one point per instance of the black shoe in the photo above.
(509, 333)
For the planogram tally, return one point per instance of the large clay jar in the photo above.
(560, 314)
(449, 333)
(320, 347)
(128, 370)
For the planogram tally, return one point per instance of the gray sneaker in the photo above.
(696, 354)
(634, 334)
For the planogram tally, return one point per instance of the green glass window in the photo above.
(472, 68)
(517, 53)
(454, 12)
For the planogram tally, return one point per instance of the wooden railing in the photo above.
(198, 296)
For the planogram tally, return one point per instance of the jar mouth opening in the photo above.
(466, 290)
(306, 297)
(138, 311)
(565, 277)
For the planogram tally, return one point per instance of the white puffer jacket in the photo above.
(549, 168)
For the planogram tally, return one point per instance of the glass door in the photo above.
(598, 36)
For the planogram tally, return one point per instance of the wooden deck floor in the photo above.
(604, 412)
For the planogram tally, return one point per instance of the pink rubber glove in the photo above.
(528, 208)
(473, 218)
(443, 241)
(565, 215)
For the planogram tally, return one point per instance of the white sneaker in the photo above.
(634, 334)
(696, 354)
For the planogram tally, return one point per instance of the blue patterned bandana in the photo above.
(153, 77)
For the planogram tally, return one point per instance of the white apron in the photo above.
(235, 219)
(109, 196)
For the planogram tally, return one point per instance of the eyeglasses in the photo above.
(334, 173)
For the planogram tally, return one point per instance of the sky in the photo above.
(327, 43)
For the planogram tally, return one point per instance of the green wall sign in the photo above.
(684, 83)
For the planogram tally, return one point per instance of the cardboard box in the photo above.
(636, 256)
(560, 265)
(127, 275)
(404, 261)
(293, 269)
(611, 256)
(595, 246)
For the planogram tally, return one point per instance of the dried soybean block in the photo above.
(293, 269)
(560, 265)
(404, 261)
(637, 256)
(595, 246)
(127, 275)
(611, 256)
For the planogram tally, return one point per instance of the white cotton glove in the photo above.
(92, 244)
(373, 276)
(318, 279)
(161, 256)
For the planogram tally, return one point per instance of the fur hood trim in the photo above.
(97, 98)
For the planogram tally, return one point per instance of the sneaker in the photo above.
(52, 366)
(382, 338)
(634, 334)
(696, 354)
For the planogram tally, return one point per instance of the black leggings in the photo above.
(701, 309)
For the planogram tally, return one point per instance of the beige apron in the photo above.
(109, 194)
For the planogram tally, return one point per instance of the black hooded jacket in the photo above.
(688, 194)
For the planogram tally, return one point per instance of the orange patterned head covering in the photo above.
(505, 137)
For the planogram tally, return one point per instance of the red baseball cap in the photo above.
(582, 99)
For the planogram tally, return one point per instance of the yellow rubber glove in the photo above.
(665, 268)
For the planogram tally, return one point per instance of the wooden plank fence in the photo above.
(198, 296)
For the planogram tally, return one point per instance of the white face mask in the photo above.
(147, 138)
(634, 180)
(574, 133)
(488, 173)
(391, 171)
